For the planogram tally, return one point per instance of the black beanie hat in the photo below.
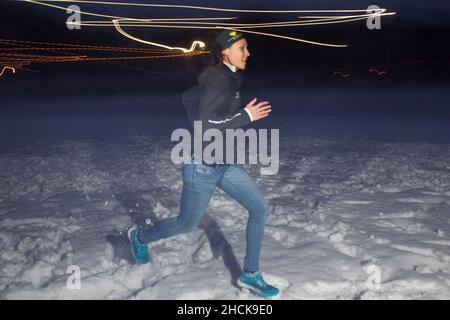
(227, 37)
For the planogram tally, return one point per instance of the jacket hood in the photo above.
(219, 68)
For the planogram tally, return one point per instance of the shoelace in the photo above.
(260, 281)
(142, 248)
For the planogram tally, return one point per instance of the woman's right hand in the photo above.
(258, 110)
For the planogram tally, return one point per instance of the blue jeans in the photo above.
(199, 182)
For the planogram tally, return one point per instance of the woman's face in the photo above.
(237, 54)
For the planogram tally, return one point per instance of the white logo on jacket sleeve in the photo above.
(225, 120)
(237, 95)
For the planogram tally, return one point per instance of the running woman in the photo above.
(216, 102)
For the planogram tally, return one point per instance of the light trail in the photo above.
(291, 38)
(132, 22)
(383, 68)
(19, 53)
(66, 46)
(7, 68)
(214, 22)
(343, 73)
(201, 7)
(201, 44)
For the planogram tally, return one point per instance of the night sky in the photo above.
(418, 32)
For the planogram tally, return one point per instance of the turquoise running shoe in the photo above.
(139, 250)
(256, 283)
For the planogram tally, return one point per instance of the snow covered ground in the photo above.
(346, 209)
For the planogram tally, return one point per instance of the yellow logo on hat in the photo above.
(232, 33)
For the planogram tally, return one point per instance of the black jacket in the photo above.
(216, 99)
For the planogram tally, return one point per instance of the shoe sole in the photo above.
(253, 289)
(129, 232)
